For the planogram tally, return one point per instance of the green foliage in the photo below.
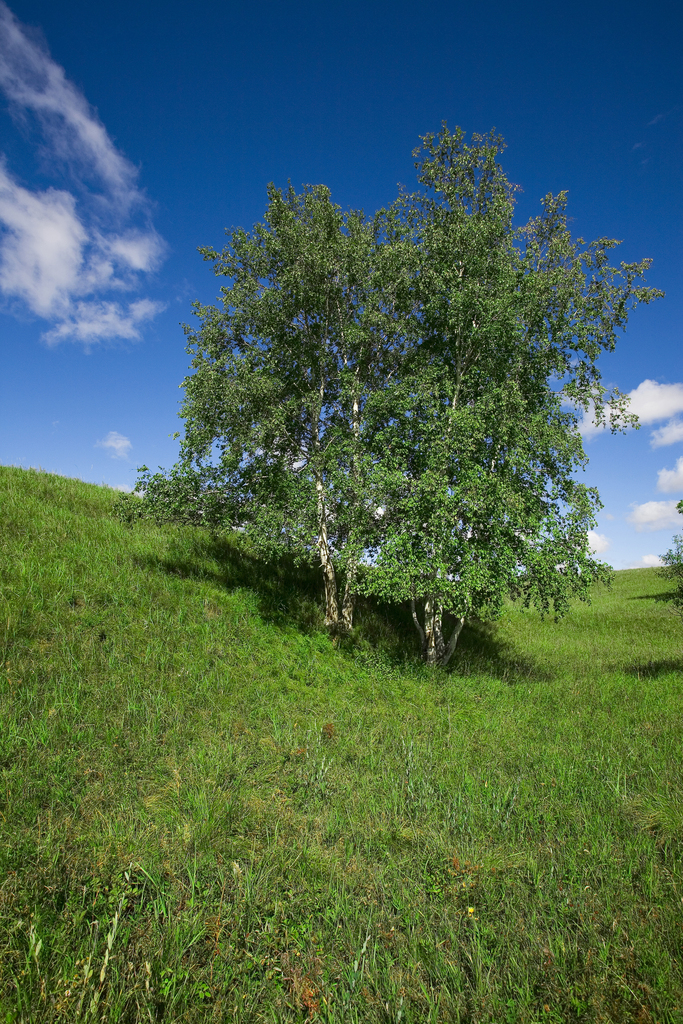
(208, 811)
(673, 570)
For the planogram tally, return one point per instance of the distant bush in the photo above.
(673, 569)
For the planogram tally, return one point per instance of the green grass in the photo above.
(210, 813)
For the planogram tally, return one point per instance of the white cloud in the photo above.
(119, 445)
(646, 562)
(42, 249)
(650, 402)
(98, 321)
(654, 515)
(598, 542)
(59, 254)
(671, 480)
(670, 433)
(136, 249)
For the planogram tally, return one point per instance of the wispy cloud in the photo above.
(654, 515)
(63, 252)
(598, 542)
(118, 445)
(662, 117)
(669, 481)
(651, 402)
(33, 81)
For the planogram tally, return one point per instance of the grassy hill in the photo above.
(210, 813)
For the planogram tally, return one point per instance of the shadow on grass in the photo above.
(665, 595)
(480, 650)
(287, 593)
(654, 669)
(291, 594)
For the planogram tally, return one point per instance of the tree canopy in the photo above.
(399, 397)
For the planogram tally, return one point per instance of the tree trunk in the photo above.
(453, 640)
(329, 575)
(418, 627)
(435, 651)
(434, 645)
(349, 600)
(331, 602)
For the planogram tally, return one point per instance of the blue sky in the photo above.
(133, 133)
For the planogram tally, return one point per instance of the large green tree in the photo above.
(480, 441)
(284, 371)
(399, 398)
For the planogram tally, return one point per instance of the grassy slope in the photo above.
(208, 813)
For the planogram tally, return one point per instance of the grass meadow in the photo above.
(208, 812)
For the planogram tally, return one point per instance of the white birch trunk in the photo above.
(349, 600)
(434, 644)
(453, 640)
(435, 651)
(418, 627)
(329, 575)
